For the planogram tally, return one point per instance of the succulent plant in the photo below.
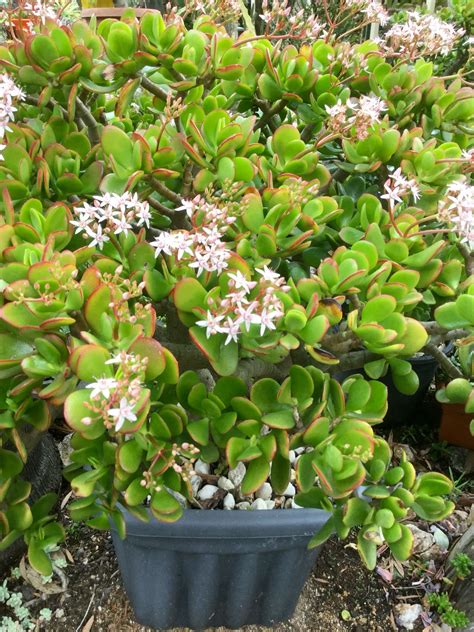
(175, 198)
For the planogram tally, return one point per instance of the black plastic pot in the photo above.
(402, 408)
(218, 568)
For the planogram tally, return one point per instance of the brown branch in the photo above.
(267, 118)
(254, 368)
(187, 179)
(163, 190)
(169, 212)
(89, 120)
(307, 132)
(269, 113)
(468, 256)
(443, 360)
(188, 356)
(154, 88)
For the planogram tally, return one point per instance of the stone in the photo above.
(400, 448)
(406, 614)
(299, 451)
(202, 468)
(290, 490)
(65, 449)
(457, 523)
(258, 503)
(207, 492)
(243, 505)
(440, 538)
(237, 474)
(292, 456)
(225, 484)
(289, 503)
(196, 482)
(265, 491)
(294, 505)
(229, 501)
(424, 544)
(270, 504)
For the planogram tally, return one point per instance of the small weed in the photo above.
(448, 614)
(462, 564)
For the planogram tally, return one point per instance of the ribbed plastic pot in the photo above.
(218, 568)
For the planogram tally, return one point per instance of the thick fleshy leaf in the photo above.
(257, 473)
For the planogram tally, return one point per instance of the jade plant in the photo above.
(199, 234)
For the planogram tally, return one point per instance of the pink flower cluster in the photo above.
(202, 247)
(114, 398)
(421, 35)
(457, 210)
(397, 186)
(110, 214)
(360, 114)
(9, 94)
(373, 10)
(277, 16)
(246, 303)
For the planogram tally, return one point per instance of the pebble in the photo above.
(259, 503)
(65, 450)
(265, 491)
(202, 468)
(299, 450)
(294, 505)
(243, 505)
(424, 544)
(292, 455)
(290, 490)
(270, 504)
(225, 483)
(289, 503)
(207, 492)
(237, 474)
(229, 501)
(406, 614)
(440, 538)
(196, 482)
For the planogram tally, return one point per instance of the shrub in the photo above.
(177, 199)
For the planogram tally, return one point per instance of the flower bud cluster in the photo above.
(278, 18)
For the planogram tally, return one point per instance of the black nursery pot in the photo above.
(402, 408)
(218, 568)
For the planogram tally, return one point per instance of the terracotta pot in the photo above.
(455, 426)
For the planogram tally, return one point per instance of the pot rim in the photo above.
(224, 524)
